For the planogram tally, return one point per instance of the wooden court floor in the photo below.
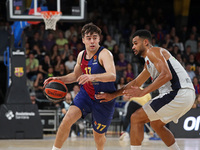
(80, 143)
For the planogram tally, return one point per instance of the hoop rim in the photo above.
(51, 13)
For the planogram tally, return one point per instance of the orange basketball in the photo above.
(55, 90)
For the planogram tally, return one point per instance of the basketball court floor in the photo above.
(80, 143)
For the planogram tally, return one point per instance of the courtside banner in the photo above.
(188, 125)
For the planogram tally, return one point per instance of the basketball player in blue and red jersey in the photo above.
(95, 72)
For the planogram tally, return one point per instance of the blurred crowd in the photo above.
(54, 53)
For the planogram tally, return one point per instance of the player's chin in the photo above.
(92, 48)
(136, 52)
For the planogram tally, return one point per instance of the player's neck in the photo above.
(90, 54)
(147, 49)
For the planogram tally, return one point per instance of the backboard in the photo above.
(29, 10)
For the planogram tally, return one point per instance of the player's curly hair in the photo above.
(90, 28)
(143, 34)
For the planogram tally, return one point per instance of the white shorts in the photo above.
(170, 106)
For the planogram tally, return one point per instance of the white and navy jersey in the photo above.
(180, 78)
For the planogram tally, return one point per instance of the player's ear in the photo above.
(146, 42)
(83, 40)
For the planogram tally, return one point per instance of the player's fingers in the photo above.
(103, 101)
(47, 81)
(83, 81)
(100, 96)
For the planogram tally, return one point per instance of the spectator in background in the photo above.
(48, 43)
(192, 62)
(187, 54)
(109, 42)
(34, 101)
(194, 31)
(121, 66)
(115, 53)
(178, 43)
(154, 42)
(44, 65)
(61, 41)
(128, 73)
(179, 58)
(50, 72)
(35, 40)
(73, 43)
(27, 48)
(175, 51)
(167, 42)
(75, 90)
(160, 35)
(197, 102)
(33, 97)
(192, 42)
(197, 55)
(79, 48)
(70, 63)
(70, 33)
(42, 32)
(54, 52)
(189, 71)
(64, 108)
(67, 52)
(196, 85)
(121, 83)
(61, 71)
(38, 86)
(172, 33)
(32, 65)
(57, 62)
(197, 72)
(37, 52)
(183, 34)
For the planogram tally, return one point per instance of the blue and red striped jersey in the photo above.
(92, 66)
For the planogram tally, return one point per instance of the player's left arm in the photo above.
(106, 60)
(159, 61)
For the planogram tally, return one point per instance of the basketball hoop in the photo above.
(51, 18)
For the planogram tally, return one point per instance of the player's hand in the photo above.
(49, 79)
(106, 97)
(134, 92)
(85, 78)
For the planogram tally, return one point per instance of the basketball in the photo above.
(55, 90)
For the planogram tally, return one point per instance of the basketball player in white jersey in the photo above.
(176, 92)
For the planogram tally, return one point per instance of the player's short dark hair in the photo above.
(145, 34)
(90, 28)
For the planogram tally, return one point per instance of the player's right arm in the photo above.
(141, 79)
(71, 77)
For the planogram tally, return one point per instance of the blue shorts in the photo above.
(102, 113)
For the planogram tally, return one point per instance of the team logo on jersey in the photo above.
(95, 57)
(19, 71)
(94, 60)
(148, 65)
(95, 122)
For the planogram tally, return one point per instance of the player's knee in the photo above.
(67, 121)
(133, 118)
(156, 125)
(101, 139)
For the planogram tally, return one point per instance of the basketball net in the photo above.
(50, 19)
